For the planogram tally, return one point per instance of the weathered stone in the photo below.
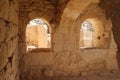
(3, 55)
(13, 10)
(33, 14)
(66, 58)
(58, 40)
(84, 74)
(4, 8)
(12, 31)
(99, 66)
(49, 73)
(8, 32)
(12, 45)
(2, 30)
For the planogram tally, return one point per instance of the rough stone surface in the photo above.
(65, 59)
(112, 9)
(68, 58)
(9, 40)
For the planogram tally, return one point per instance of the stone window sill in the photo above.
(36, 50)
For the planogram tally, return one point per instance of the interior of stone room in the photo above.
(59, 39)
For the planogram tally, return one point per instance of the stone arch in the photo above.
(66, 26)
(98, 19)
(68, 34)
(72, 11)
(24, 20)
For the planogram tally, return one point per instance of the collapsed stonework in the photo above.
(64, 57)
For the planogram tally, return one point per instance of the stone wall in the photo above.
(9, 40)
(39, 64)
(42, 64)
(29, 10)
(68, 58)
(112, 9)
(65, 57)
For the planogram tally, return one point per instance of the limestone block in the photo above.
(77, 68)
(82, 66)
(9, 71)
(24, 0)
(22, 49)
(50, 7)
(49, 73)
(2, 30)
(69, 43)
(48, 16)
(113, 44)
(12, 44)
(62, 61)
(12, 31)
(2, 75)
(3, 55)
(34, 13)
(95, 77)
(108, 25)
(58, 40)
(62, 57)
(84, 73)
(75, 58)
(40, 4)
(98, 66)
(13, 11)
(112, 60)
(38, 59)
(112, 56)
(15, 61)
(94, 54)
(4, 8)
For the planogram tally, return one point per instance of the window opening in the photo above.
(86, 35)
(38, 35)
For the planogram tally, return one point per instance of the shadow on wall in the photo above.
(112, 9)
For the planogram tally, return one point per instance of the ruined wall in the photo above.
(9, 40)
(112, 9)
(69, 59)
(65, 57)
(42, 64)
(29, 10)
(38, 65)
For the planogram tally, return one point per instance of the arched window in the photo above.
(38, 34)
(93, 34)
(86, 35)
